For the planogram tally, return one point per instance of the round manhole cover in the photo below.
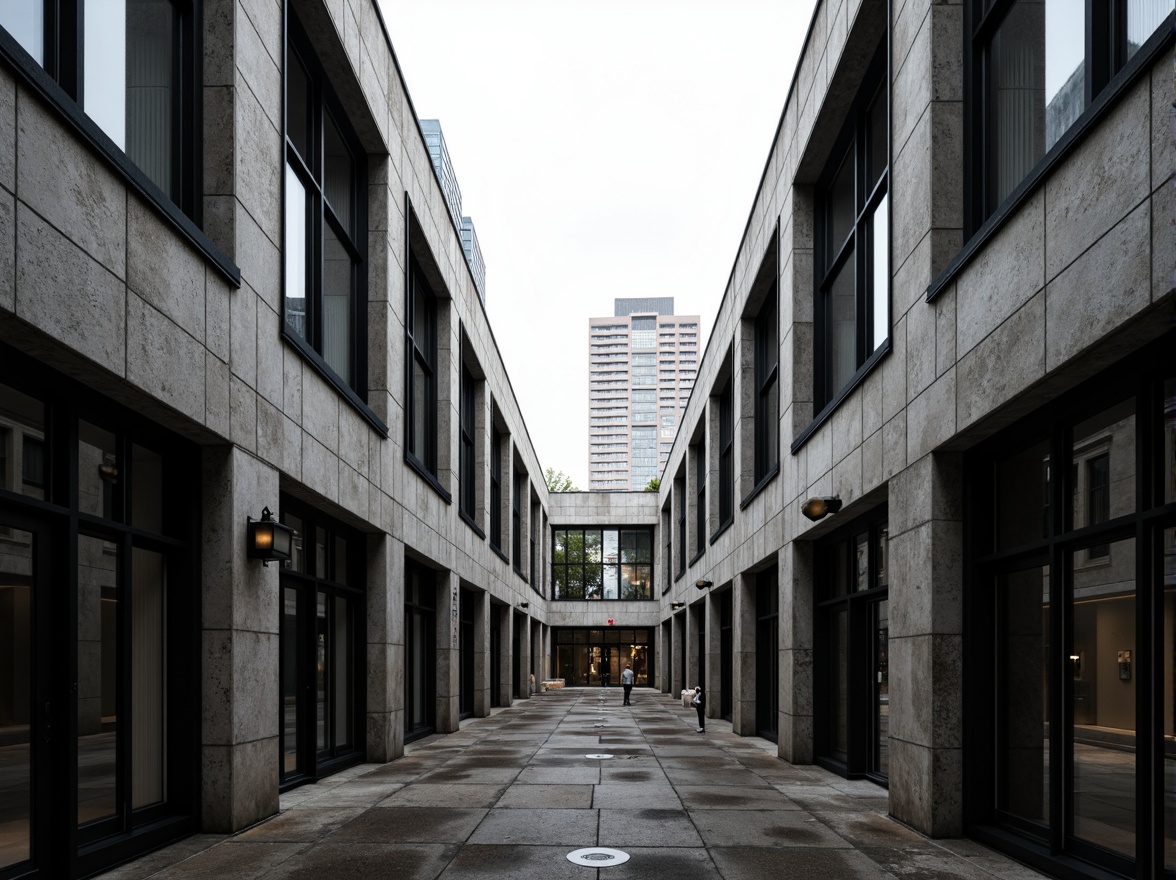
(600, 757)
(598, 857)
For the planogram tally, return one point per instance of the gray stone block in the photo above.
(1006, 362)
(163, 360)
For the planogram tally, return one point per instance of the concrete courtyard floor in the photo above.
(511, 795)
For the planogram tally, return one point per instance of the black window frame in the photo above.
(700, 511)
(627, 544)
(680, 495)
(496, 489)
(422, 352)
(326, 110)
(516, 520)
(58, 83)
(832, 258)
(467, 460)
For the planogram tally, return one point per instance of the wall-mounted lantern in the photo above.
(524, 604)
(703, 584)
(677, 606)
(269, 540)
(820, 507)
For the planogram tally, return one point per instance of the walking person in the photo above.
(627, 683)
(699, 703)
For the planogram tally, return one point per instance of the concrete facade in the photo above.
(180, 321)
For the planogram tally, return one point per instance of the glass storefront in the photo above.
(99, 618)
(1073, 523)
(596, 657)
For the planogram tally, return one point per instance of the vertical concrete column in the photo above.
(448, 651)
(926, 642)
(241, 610)
(665, 657)
(525, 657)
(796, 653)
(385, 648)
(712, 644)
(695, 617)
(743, 644)
(482, 612)
(549, 670)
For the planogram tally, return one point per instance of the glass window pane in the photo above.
(575, 546)
(320, 553)
(842, 327)
(611, 582)
(147, 489)
(882, 687)
(839, 684)
(880, 270)
(861, 561)
(575, 587)
(1169, 685)
(592, 581)
(881, 555)
(420, 411)
(338, 176)
(16, 694)
(343, 672)
(288, 646)
(98, 674)
(592, 546)
(1022, 703)
(842, 208)
(559, 578)
(1022, 496)
(1143, 17)
(322, 671)
(1168, 444)
(24, 466)
(297, 553)
(298, 112)
(1103, 655)
(148, 678)
(876, 158)
(338, 305)
(339, 563)
(1065, 66)
(1103, 472)
(612, 547)
(561, 541)
(104, 73)
(297, 319)
(26, 22)
(98, 470)
(152, 77)
(1018, 85)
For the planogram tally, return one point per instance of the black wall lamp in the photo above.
(703, 584)
(524, 604)
(677, 606)
(269, 540)
(819, 507)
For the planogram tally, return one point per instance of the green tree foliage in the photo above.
(654, 485)
(558, 481)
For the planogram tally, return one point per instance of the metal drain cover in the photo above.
(598, 757)
(598, 857)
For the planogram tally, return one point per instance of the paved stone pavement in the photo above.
(511, 795)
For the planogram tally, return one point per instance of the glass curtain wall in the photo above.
(592, 657)
(420, 651)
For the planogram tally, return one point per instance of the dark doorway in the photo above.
(726, 654)
(496, 655)
(420, 651)
(466, 604)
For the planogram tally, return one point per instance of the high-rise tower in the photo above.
(642, 364)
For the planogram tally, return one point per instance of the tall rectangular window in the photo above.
(726, 453)
(700, 498)
(421, 379)
(516, 520)
(495, 488)
(852, 307)
(325, 313)
(129, 64)
(1036, 67)
(680, 499)
(468, 496)
(767, 395)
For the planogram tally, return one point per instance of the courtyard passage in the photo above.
(510, 796)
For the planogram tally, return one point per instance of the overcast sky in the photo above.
(603, 149)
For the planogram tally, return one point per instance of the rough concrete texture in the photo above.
(521, 793)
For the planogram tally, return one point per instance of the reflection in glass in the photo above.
(337, 175)
(320, 552)
(297, 552)
(1169, 685)
(839, 684)
(1022, 496)
(297, 320)
(882, 682)
(881, 554)
(97, 685)
(1143, 17)
(1102, 654)
(861, 561)
(877, 154)
(98, 470)
(147, 489)
(26, 23)
(298, 112)
(343, 673)
(289, 665)
(337, 304)
(321, 670)
(24, 467)
(1022, 668)
(16, 695)
(1168, 443)
(842, 208)
(148, 678)
(880, 266)
(1103, 467)
(842, 356)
